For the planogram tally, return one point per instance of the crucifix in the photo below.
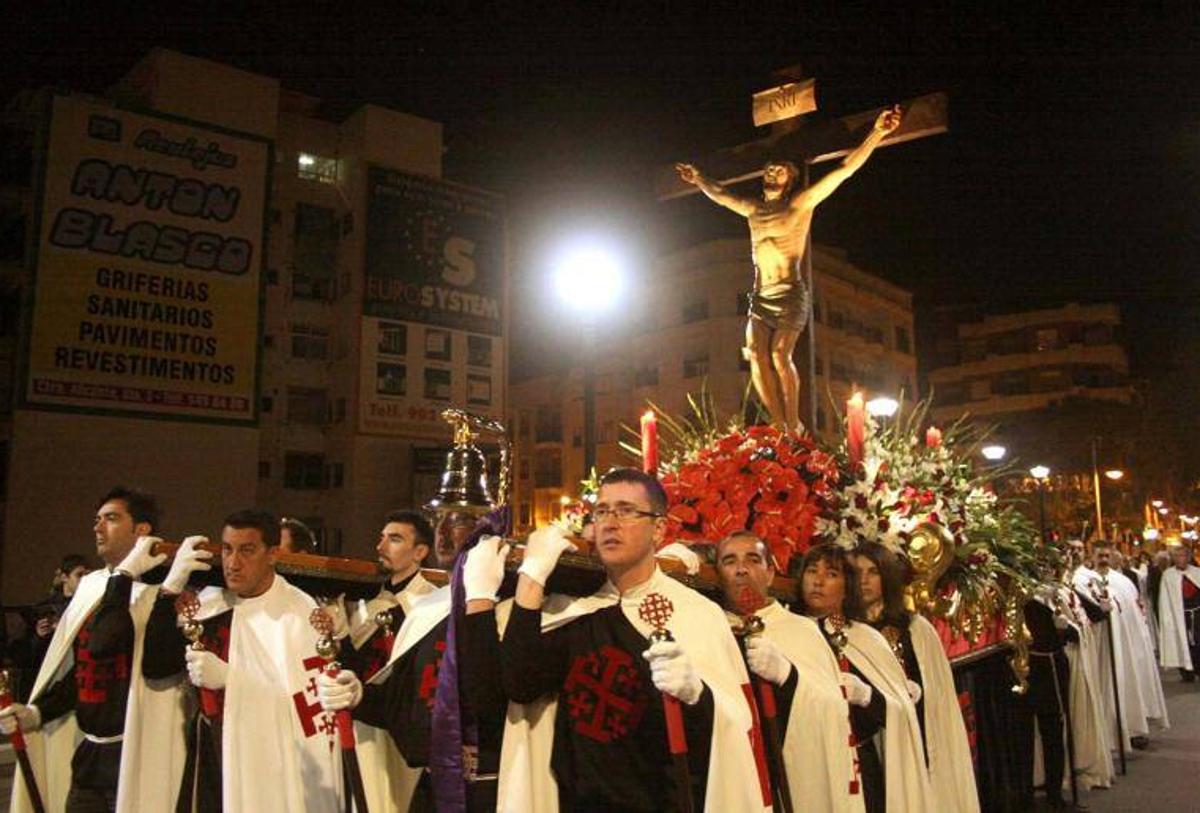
(781, 303)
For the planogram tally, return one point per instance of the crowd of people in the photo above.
(156, 692)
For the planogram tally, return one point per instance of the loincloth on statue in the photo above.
(781, 305)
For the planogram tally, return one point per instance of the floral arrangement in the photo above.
(722, 478)
(907, 478)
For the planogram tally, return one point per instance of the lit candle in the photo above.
(933, 437)
(856, 427)
(650, 442)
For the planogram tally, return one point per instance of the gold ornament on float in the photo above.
(931, 552)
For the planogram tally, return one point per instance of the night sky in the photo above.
(1070, 169)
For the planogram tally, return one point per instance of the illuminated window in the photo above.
(316, 168)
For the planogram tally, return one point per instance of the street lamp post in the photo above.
(1040, 473)
(1096, 486)
(589, 277)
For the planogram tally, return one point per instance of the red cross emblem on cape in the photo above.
(604, 694)
(93, 677)
(309, 712)
(429, 675)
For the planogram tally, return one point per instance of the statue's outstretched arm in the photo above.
(714, 191)
(885, 124)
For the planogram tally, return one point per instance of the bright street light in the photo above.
(1040, 472)
(1150, 534)
(589, 276)
(1164, 511)
(994, 452)
(1156, 503)
(1114, 474)
(882, 407)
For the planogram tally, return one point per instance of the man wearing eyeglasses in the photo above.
(586, 729)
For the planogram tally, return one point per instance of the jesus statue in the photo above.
(780, 301)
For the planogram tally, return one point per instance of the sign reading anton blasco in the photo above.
(146, 294)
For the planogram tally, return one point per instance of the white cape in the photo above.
(1093, 739)
(816, 749)
(906, 779)
(1137, 681)
(152, 756)
(527, 783)
(278, 749)
(951, 769)
(1173, 647)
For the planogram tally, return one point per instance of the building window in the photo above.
(479, 390)
(695, 366)
(479, 351)
(903, 340)
(1047, 339)
(311, 167)
(837, 319)
(695, 311)
(743, 304)
(526, 515)
(337, 475)
(437, 344)
(309, 342)
(264, 469)
(266, 403)
(393, 339)
(524, 468)
(548, 468)
(981, 389)
(303, 470)
(391, 379)
(646, 377)
(1097, 335)
(974, 350)
(821, 419)
(437, 384)
(526, 424)
(1011, 383)
(607, 432)
(307, 405)
(818, 314)
(549, 424)
(314, 252)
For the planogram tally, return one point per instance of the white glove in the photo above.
(484, 568)
(139, 560)
(767, 661)
(19, 714)
(542, 550)
(188, 559)
(914, 691)
(681, 553)
(336, 610)
(206, 670)
(341, 691)
(672, 673)
(858, 693)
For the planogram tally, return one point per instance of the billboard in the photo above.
(435, 253)
(433, 305)
(149, 251)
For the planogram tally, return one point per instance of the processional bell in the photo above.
(464, 485)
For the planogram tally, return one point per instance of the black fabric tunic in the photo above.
(201, 787)
(96, 687)
(865, 722)
(610, 738)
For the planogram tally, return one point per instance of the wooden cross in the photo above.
(813, 142)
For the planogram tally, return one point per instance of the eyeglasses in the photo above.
(622, 513)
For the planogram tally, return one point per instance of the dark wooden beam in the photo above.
(812, 144)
